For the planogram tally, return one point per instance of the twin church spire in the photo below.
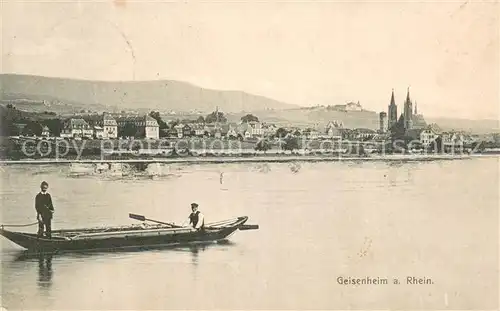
(407, 111)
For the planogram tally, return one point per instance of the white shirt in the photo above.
(200, 220)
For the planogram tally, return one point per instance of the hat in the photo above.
(194, 204)
(44, 183)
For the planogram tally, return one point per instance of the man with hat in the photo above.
(44, 210)
(196, 218)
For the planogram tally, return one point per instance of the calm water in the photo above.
(437, 220)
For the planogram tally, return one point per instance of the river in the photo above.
(435, 220)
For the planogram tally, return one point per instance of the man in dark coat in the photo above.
(44, 210)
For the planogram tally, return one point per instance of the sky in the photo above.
(300, 52)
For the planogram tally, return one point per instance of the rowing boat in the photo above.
(124, 237)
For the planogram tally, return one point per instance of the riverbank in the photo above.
(257, 159)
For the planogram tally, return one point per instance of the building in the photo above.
(350, 106)
(251, 129)
(45, 131)
(383, 127)
(146, 126)
(428, 136)
(98, 132)
(408, 112)
(109, 126)
(392, 112)
(418, 119)
(256, 129)
(187, 131)
(104, 123)
(198, 129)
(76, 128)
(363, 134)
(333, 130)
(232, 133)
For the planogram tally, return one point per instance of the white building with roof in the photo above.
(76, 128)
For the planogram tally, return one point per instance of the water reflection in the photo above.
(45, 271)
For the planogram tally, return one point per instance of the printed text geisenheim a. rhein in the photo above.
(410, 280)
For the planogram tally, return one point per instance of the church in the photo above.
(411, 118)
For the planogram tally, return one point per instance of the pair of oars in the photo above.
(143, 218)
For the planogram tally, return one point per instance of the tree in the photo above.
(262, 145)
(129, 130)
(281, 132)
(173, 123)
(211, 118)
(156, 115)
(249, 118)
(291, 143)
(55, 126)
(32, 128)
(200, 119)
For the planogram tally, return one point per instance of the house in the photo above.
(109, 125)
(231, 132)
(76, 128)
(106, 122)
(147, 127)
(334, 133)
(198, 129)
(454, 139)
(179, 130)
(98, 132)
(256, 129)
(45, 131)
(187, 131)
(310, 133)
(428, 136)
(364, 133)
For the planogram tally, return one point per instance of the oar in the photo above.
(142, 218)
(248, 227)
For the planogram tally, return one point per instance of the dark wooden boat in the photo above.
(124, 237)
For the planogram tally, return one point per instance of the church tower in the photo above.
(408, 112)
(392, 112)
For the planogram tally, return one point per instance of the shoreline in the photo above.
(257, 159)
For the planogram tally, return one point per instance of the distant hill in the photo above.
(61, 95)
(477, 126)
(320, 116)
(71, 94)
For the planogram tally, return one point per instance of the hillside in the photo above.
(65, 96)
(305, 117)
(161, 95)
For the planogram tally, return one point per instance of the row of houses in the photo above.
(106, 127)
(431, 133)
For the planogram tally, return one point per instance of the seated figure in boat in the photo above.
(44, 210)
(196, 218)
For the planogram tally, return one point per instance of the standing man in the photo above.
(196, 218)
(44, 210)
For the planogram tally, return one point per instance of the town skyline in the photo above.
(303, 54)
